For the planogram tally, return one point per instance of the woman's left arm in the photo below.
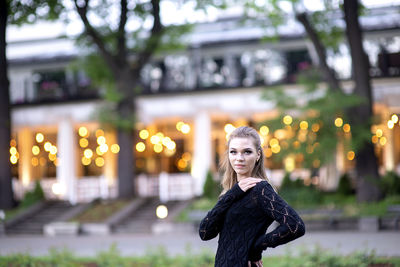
(291, 225)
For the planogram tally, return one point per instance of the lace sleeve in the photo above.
(211, 225)
(291, 225)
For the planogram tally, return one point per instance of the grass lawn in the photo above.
(160, 258)
(100, 211)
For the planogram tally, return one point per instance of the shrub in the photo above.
(211, 187)
(345, 187)
(390, 183)
(33, 196)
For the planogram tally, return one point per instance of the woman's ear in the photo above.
(259, 155)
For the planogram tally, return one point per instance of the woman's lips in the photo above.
(239, 166)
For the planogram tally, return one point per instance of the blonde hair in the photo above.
(230, 178)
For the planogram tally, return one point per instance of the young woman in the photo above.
(247, 207)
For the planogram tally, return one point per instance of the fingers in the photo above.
(247, 183)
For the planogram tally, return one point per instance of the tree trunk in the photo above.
(126, 157)
(6, 193)
(366, 162)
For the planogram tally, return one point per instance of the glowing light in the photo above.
(42, 161)
(316, 163)
(179, 125)
(166, 140)
(338, 122)
(99, 162)
(144, 134)
(115, 148)
(264, 130)
(83, 131)
(268, 152)
(346, 128)
(303, 125)
(169, 152)
(101, 140)
(88, 153)
(171, 145)
(39, 137)
(57, 189)
(185, 128)
(186, 156)
(35, 161)
(374, 139)
(140, 147)
(13, 142)
(280, 134)
(289, 164)
(13, 151)
(52, 157)
(382, 141)
(98, 151)
(99, 133)
(276, 149)
(162, 212)
(13, 159)
(53, 150)
(47, 146)
(158, 148)
(155, 139)
(315, 127)
(103, 148)
(287, 120)
(296, 144)
(350, 155)
(379, 133)
(86, 161)
(160, 135)
(182, 164)
(395, 118)
(83, 142)
(390, 124)
(273, 142)
(229, 128)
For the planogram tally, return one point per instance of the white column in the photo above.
(202, 156)
(163, 187)
(66, 169)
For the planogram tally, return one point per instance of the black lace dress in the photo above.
(241, 220)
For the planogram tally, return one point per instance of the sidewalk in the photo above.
(383, 243)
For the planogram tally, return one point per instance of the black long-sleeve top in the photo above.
(241, 219)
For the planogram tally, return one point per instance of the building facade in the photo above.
(189, 102)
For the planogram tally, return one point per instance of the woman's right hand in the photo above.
(249, 182)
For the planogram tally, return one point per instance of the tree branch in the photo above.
(154, 39)
(321, 52)
(108, 57)
(121, 38)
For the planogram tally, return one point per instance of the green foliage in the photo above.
(211, 187)
(298, 195)
(390, 183)
(21, 12)
(159, 257)
(33, 196)
(345, 186)
(317, 108)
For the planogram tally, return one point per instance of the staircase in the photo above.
(33, 224)
(142, 219)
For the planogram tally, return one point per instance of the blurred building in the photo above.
(190, 100)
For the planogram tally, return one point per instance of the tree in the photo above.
(6, 193)
(366, 166)
(14, 12)
(124, 54)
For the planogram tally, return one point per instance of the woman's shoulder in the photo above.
(264, 185)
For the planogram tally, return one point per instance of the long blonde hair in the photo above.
(230, 177)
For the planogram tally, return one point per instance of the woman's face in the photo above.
(243, 155)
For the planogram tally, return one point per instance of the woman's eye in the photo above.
(233, 152)
(248, 152)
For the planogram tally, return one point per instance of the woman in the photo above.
(247, 207)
